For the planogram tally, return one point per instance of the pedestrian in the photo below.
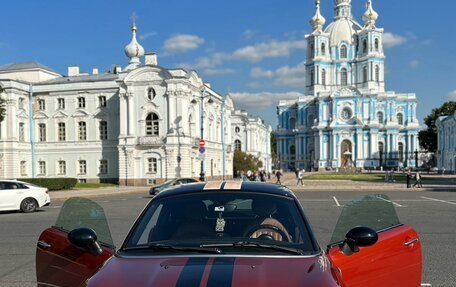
(262, 176)
(296, 172)
(300, 176)
(443, 170)
(418, 180)
(392, 175)
(278, 175)
(409, 177)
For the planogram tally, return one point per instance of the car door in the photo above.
(8, 195)
(395, 260)
(58, 262)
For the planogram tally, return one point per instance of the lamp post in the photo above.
(223, 138)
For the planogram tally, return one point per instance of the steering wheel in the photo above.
(268, 227)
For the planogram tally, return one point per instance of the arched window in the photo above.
(237, 130)
(380, 117)
(237, 145)
(151, 94)
(323, 49)
(364, 46)
(381, 148)
(292, 123)
(312, 77)
(311, 50)
(376, 45)
(343, 77)
(377, 73)
(152, 122)
(343, 52)
(323, 77)
(401, 151)
(400, 119)
(365, 74)
(191, 126)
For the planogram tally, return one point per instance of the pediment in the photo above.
(147, 74)
(41, 115)
(60, 114)
(80, 114)
(22, 114)
(100, 114)
(347, 92)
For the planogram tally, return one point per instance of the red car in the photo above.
(229, 234)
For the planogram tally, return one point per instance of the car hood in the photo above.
(217, 271)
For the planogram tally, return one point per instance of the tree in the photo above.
(273, 147)
(428, 137)
(2, 109)
(244, 162)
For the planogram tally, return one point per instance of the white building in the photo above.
(135, 126)
(446, 148)
(252, 136)
(347, 119)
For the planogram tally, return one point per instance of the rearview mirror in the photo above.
(358, 237)
(85, 238)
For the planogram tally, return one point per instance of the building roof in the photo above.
(25, 66)
(82, 78)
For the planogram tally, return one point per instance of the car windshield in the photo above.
(230, 222)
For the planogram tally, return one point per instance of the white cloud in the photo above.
(213, 72)
(392, 40)
(248, 34)
(272, 49)
(182, 43)
(452, 95)
(212, 61)
(284, 77)
(264, 100)
(147, 35)
(414, 64)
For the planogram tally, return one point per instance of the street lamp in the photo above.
(201, 95)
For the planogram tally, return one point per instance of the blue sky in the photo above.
(253, 49)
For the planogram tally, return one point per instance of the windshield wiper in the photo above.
(257, 245)
(201, 249)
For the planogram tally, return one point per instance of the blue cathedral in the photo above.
(347, 119)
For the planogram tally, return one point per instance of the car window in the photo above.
(214, 217)
(373, 211)
(8, 185)
(81, 212)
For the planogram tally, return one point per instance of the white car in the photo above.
(24, 196)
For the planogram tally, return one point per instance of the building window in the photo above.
(62, 132)
(377, 73)
(81, 102)
(381, 148)
(61, 103)
(42, 132)
(343, 77)
(62, 167)
(311, 50)
(103, 130)
(400, 119)
(237, 145)
(323, 49)
(21, 103)
(323, 77)
(103, 166)
(376, 45)
(364, 74)
(343, 52)
(23, 167)
(41, 105)
(401, 151)
(42, 167)
(82, 167)
(237, 129)
(364, 46)
(312, 77)
(152, 125)
(152, 165)
(380, 117)
(82, 131)
(101, 101)
(151, 94)
(21, 132)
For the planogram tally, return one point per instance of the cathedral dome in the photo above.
(343, 30)
(134, 50)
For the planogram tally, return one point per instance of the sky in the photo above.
(252, 49)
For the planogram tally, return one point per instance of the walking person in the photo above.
(278, 175)
(418, 180)
(300, 176)
(409, 178)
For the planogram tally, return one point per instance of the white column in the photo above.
(359, 145)
(12, 122)
(123, 115)
(131, 115)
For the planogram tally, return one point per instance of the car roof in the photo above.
(223, 186)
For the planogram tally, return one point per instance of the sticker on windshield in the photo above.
(219, 208)
(213, 185)
(233, 185)
(220, 226)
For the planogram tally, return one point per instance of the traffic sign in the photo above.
(202, 157)
(202, 149)
(202, 143)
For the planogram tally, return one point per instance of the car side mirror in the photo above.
(85, 238)
(358, 237)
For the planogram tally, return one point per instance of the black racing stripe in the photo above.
(192, 273)
(221, 272)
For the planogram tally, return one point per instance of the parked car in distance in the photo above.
(23, 196)
(167, 184)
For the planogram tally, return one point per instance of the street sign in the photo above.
(202, 143)
(202, 149)
(202, 157)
